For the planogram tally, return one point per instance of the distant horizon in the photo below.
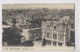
(39, 6)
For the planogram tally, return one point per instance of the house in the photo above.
(56, 32)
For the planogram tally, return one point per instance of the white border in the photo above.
(38, 1)
(77, 18)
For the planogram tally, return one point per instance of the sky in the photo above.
(34, 6)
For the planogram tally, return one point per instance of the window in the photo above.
(37, 34)
(60, 44)
(54, 27)
(48, 42)
(47, 35)
(54, 43)
(54, 36)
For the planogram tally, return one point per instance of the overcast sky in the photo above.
(33, 6)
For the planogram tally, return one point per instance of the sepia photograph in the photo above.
(39, 26)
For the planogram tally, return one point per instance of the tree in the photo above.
(14, 22)
(44, 42)
(12, 36)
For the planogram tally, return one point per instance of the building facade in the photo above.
(54, 32)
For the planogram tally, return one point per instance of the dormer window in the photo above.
(54, 27)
